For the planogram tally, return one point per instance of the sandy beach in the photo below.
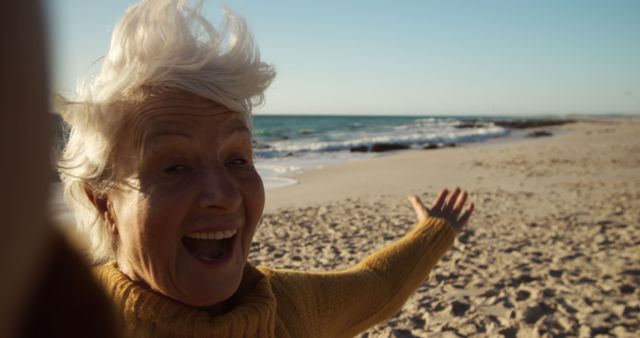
(552, 250)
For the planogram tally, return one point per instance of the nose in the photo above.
(219, 190)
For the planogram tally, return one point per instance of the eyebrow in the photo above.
(237, 126)
(151, 137)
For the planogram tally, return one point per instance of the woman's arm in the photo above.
(341, 304)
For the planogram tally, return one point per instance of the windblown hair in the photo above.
(158, 46)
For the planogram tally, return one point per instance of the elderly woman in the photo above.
(159, 171)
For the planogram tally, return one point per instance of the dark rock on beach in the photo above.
(540, 133)
(380, 147)
(430, 146)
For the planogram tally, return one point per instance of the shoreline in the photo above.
(321, 188)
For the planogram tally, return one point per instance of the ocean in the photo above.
(288, 145)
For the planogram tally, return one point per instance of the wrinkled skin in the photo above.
(187, 168)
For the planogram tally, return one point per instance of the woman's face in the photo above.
(189, 200)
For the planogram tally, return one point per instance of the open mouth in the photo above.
(210, 246)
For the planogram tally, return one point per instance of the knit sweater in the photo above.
(286, 303)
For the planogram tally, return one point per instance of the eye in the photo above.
(238, 162)
(177, 169)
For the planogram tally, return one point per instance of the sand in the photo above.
(553, 249)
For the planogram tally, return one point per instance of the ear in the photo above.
(102, 203)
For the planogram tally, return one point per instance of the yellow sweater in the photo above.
(284, 303)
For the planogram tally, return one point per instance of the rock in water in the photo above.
(359, 149)
(380, 147)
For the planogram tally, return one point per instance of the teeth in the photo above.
(217, 235)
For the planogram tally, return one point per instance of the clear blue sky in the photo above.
(410, 57)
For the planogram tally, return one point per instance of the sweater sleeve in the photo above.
(344, 303)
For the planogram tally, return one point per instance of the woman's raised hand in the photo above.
(450, 209)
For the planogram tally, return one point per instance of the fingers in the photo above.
(421, 211)
(465, 216)
(459, 204)
(439, 202)
(450, 207)
(452, 201)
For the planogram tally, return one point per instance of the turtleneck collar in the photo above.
(252, 309)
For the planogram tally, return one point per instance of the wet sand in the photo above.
(553, 249)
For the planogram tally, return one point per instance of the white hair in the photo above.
(158, 45)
